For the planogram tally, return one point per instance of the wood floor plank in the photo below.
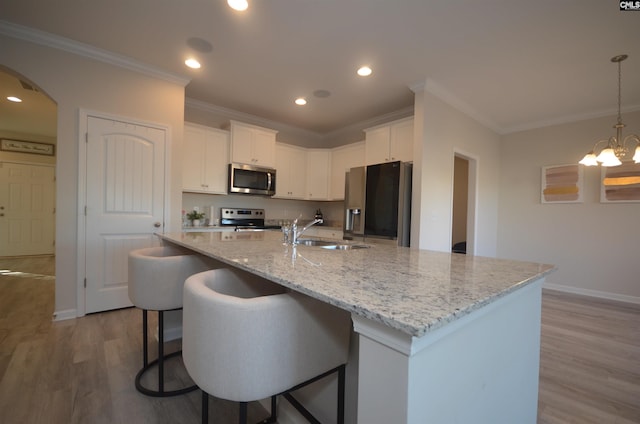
(82, 370)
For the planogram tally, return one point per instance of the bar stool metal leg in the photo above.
(205, 407)
(159, 361)
(242, 417)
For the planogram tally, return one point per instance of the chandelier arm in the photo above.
(631, 138)
(604, 140)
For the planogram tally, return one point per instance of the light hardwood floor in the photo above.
(82, 370)
(590, 361)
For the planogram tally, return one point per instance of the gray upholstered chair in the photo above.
(156, 279)
(246, 339)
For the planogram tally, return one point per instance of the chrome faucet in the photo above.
(294, 229)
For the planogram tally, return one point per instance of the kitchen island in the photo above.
(443, 338)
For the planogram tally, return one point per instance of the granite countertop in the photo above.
(414, 291)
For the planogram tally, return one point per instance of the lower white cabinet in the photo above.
(291, 171)
(325, 232)
(205, 159)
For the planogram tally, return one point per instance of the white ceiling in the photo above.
(512, 64)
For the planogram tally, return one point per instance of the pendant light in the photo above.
(616, 146)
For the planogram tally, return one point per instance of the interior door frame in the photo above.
(83, 117)
(472, 197)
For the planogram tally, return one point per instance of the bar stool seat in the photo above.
(156, 280)
(246, 339)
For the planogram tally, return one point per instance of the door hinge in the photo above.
(86, 137)
(85, 210)
(85, 283)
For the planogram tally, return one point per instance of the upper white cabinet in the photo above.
(253, 145)
(205, 159)
(291, 168)
(390, 142)
(344, 158)
(318, 168)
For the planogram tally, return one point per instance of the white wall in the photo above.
(445, 132)
(75, 82)
(594, 245)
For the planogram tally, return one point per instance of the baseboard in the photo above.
(64, 315)
(592, 293)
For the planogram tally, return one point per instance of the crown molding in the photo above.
(446, 96)
(85, 50)
(569, 119)
(289, 129)
(372, 122)
(250, 119)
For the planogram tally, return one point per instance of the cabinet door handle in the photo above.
(156, 224)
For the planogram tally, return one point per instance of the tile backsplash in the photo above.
(275, 209)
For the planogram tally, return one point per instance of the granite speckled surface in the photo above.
(414, 291)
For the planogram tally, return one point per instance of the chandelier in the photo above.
(616, 146)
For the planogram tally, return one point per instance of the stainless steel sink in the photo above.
(331, 245)
(345, 246)
(314, 242)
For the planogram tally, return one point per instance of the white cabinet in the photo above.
(344, 158)
(291, 171)
(253, 145)
(390, 142)
(205, 159)
(318, 167)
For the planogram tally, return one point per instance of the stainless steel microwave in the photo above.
(250, 179)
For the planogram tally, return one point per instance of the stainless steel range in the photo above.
(244, 219)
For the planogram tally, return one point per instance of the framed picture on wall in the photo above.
(561, 184)
(21, 146)
(620, 183)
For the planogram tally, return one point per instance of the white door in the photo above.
(124, 204)
(27, 207)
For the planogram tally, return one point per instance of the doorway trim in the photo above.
(83, 116)
(472, 196)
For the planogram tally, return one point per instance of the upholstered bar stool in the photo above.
(156, 280)
(246, 339)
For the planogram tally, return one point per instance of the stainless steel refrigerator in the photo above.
(377, 202)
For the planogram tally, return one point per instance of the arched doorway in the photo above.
(28, 132)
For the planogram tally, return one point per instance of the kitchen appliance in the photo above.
(249, 179)
(245, 219)
(378, 202)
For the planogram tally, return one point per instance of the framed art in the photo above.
(21, 146)
(562, 184)
(620, 183)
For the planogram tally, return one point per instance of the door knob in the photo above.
(156, 224)
(1, 214)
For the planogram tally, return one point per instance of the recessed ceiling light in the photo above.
(301, 101)
(14, 99)
(239, 5)
(365, 71)
(192, 63)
